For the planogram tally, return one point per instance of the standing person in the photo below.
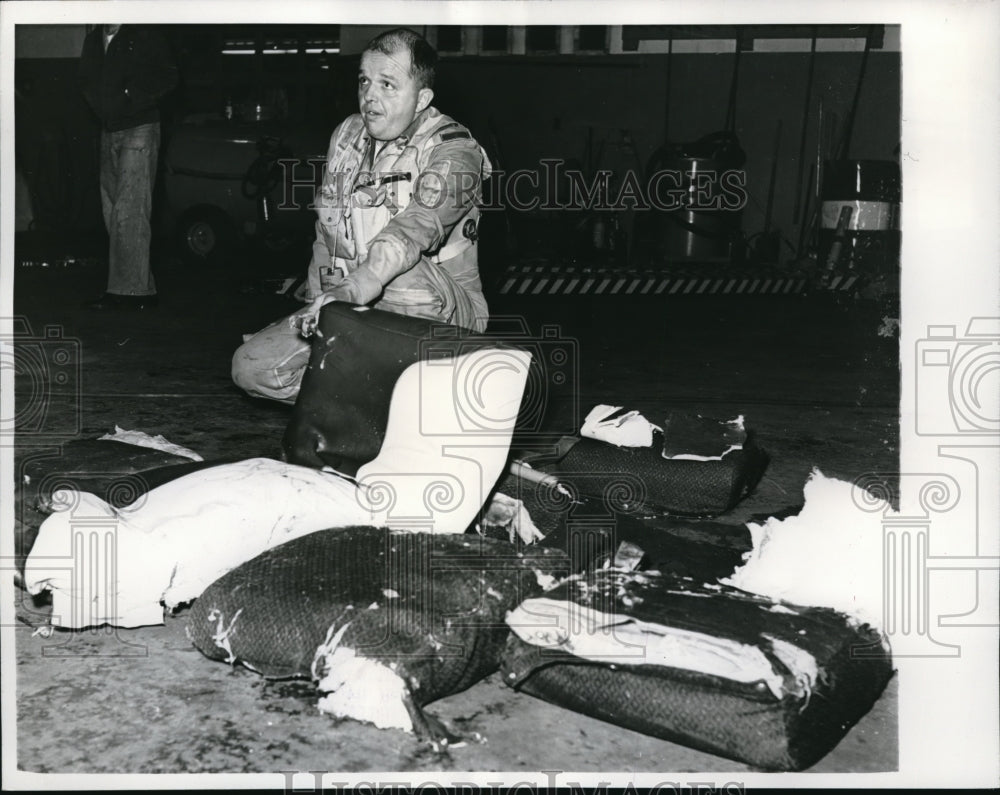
(398, 216)
(125, 71)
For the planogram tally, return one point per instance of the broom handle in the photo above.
(805, 130)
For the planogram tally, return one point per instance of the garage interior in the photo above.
(772, 313)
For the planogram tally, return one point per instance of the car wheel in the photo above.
(206, 236)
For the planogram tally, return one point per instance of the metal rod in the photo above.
(731, 109)
(526, 472)
(833, 257)
(770, 187)
(845, 143)
(805, 130)
(819, 151)
(666, 104)
(803, 230)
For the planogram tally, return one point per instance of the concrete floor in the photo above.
(811, 374)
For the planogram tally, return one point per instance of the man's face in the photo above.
(388, 95)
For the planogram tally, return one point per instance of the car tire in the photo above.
(206, 236)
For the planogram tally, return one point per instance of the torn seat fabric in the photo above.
(357, 355)
(722, 468)
(422, 614)
(590, 529)
(770, 684)
(117, 472)
(121, 566)
(105, 564)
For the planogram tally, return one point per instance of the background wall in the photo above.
(547, 107)
(56, 138)
(49, 41)
(521, 107)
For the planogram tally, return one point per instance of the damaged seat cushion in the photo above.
(117, 472)
(384, 622)
(121, 566)
(770, 684)
(444, 449)
(358, 353)
(723, 467)
(591, 529)
(447, 440)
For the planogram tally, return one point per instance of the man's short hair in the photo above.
(423, 57)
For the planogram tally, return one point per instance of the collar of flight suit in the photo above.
(369, 144)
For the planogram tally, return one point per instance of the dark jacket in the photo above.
(125, 84)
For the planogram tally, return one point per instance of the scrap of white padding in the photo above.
(358, 687)
(510, 514)
(615, 639)
(141, 439)
(630, 429)
(889, 327)
(829, 555)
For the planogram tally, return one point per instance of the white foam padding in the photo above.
(445, 447)
(446, 444)
(829, 555)
(115, 566)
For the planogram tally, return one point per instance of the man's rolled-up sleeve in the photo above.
(321, 259)
(444, 191)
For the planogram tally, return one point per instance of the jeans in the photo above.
(128, 171)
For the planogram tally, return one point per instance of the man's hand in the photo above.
(302, 292)
(307, 320)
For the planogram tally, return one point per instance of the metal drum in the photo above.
(704, 194)
(703, 230)
(871, 189)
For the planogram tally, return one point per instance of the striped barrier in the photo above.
(529, 280)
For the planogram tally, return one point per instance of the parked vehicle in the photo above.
(242, 180)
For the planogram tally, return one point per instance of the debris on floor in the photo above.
(157, 442)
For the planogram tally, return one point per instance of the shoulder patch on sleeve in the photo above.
(451, 136)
